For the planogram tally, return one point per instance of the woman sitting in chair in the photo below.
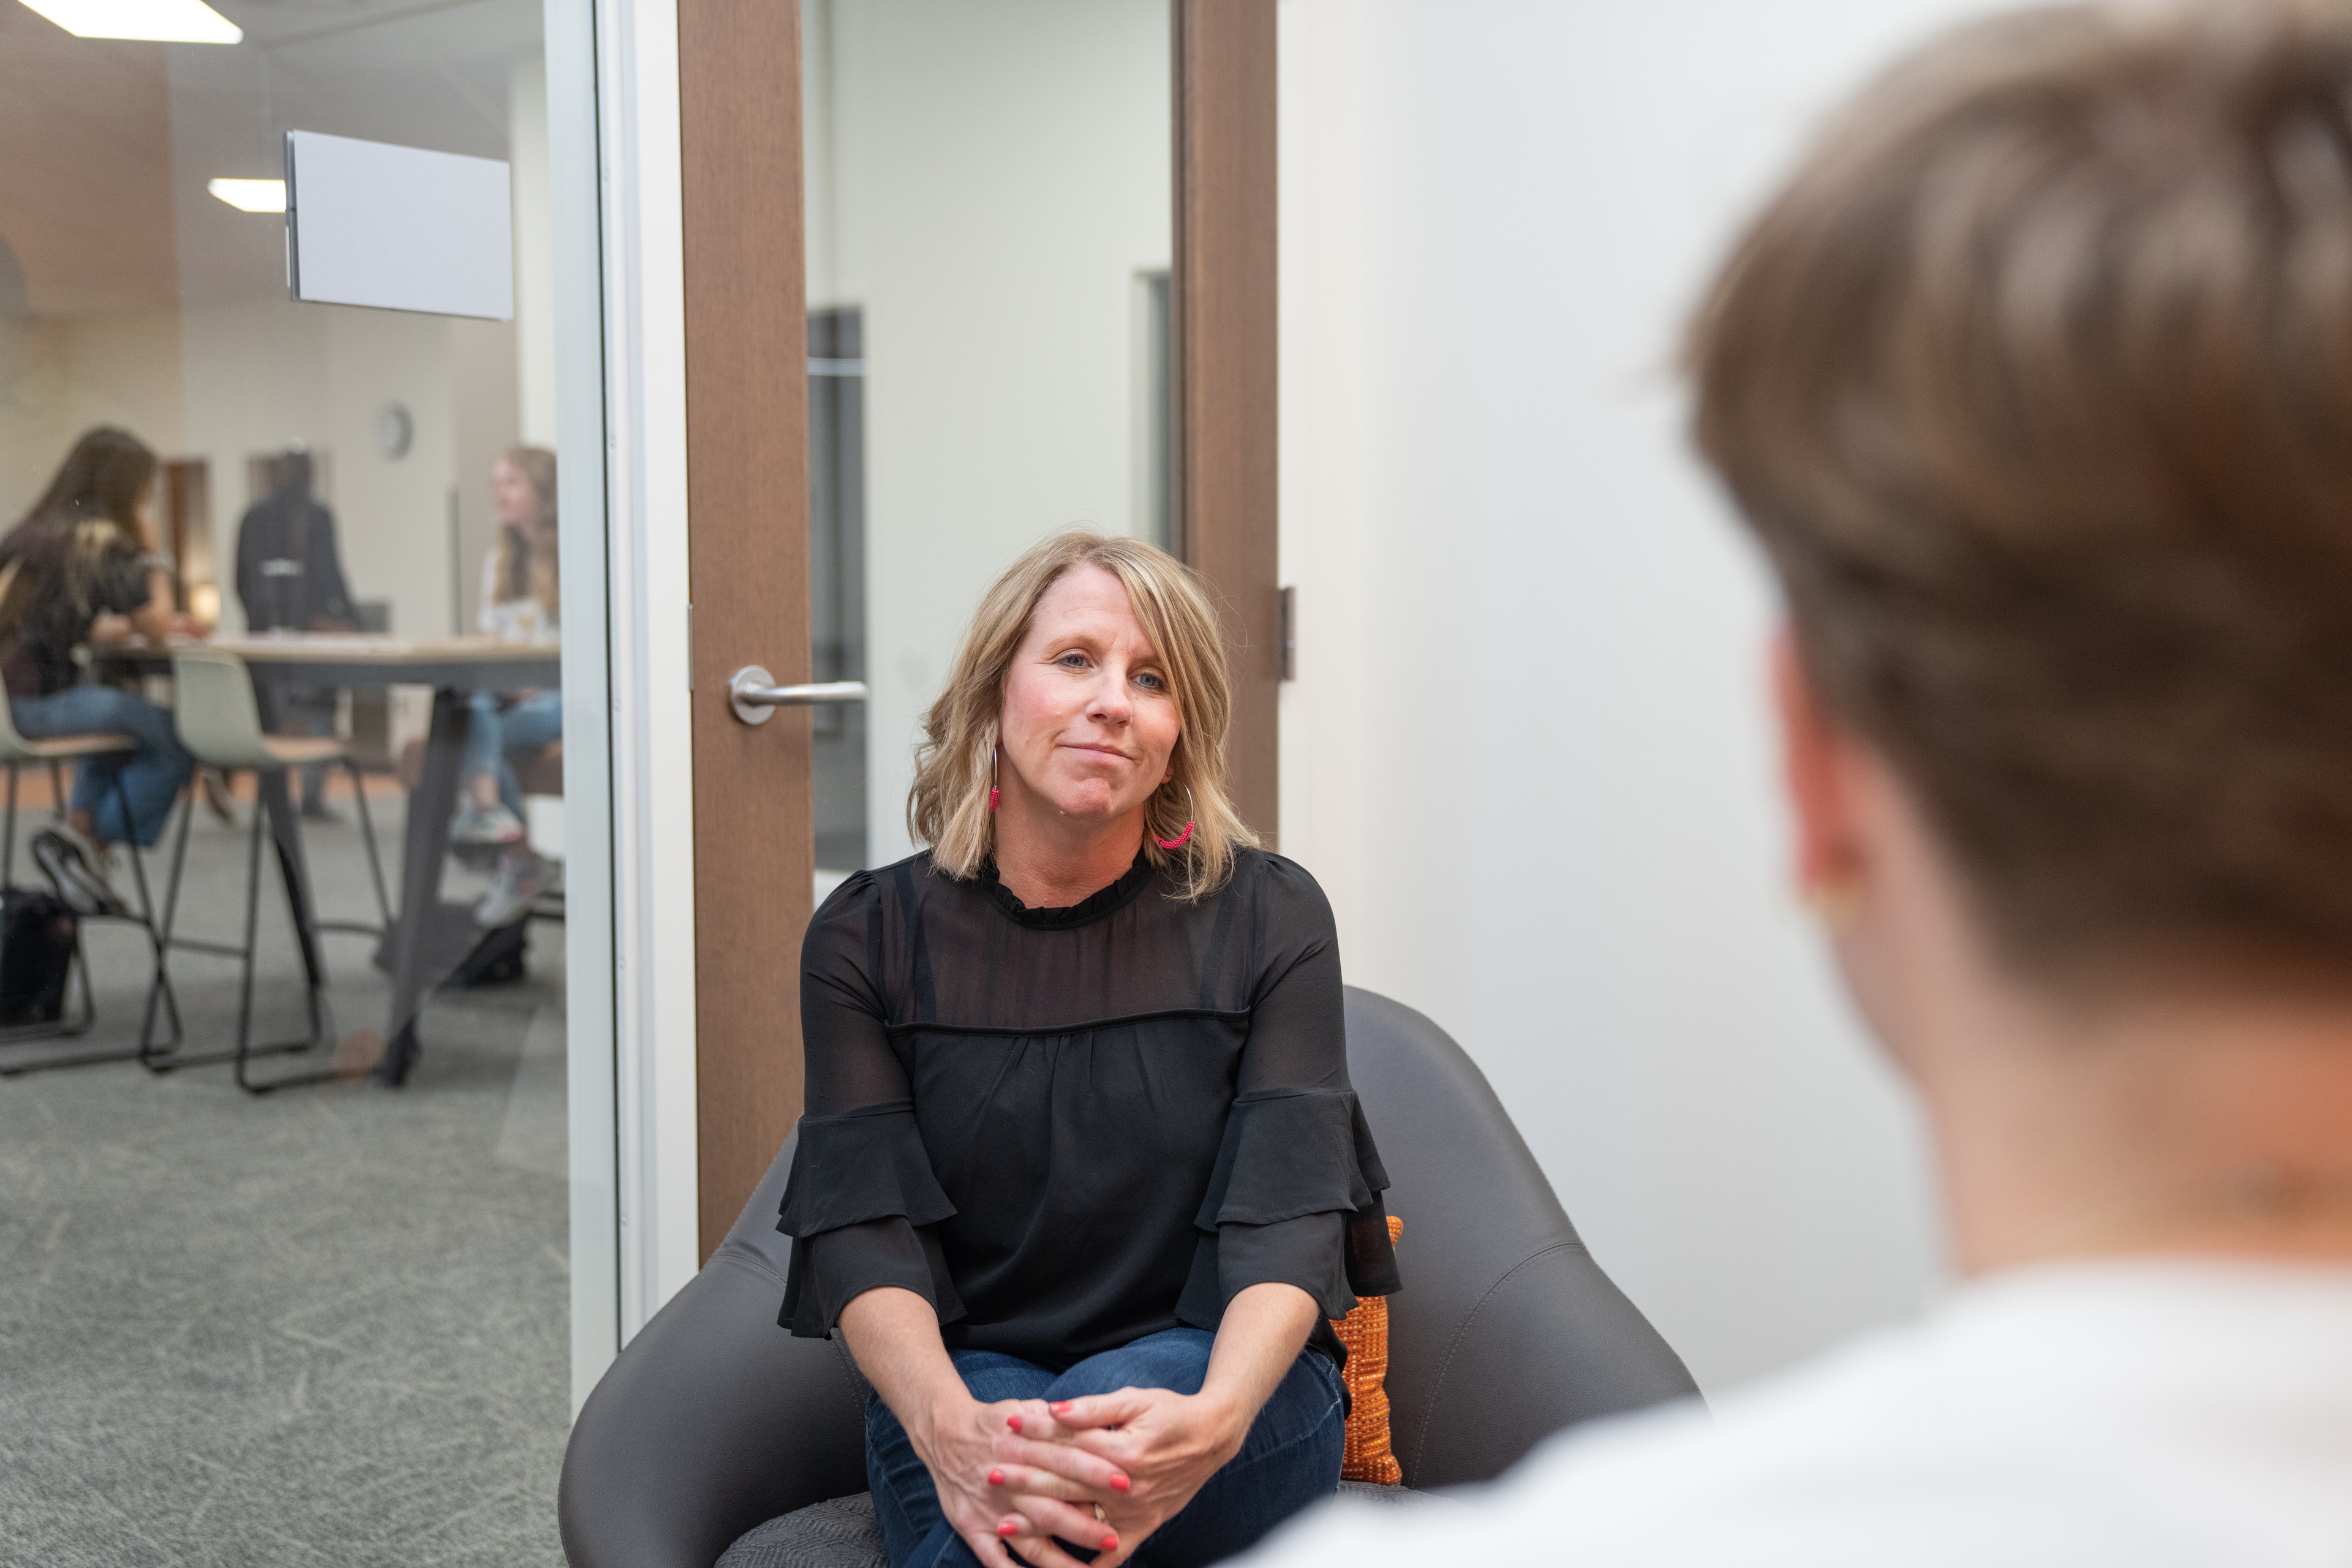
(87, 550)
(1082, 1177)
(521, 601)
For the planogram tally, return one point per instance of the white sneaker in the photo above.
(485, 825)
(521, 879)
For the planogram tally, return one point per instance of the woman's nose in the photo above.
(1108, 703)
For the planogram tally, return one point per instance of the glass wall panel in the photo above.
(282, 1129)
(989, 220)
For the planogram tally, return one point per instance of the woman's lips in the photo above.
(1099, 751)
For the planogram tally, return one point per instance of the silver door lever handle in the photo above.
(754, 695)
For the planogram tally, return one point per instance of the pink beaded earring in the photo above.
(993, 757)
(1185, 838)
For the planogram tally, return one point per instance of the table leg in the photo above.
(286, 834)
(425, 845)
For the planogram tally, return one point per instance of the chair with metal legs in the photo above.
(219, 723)
(15, 751)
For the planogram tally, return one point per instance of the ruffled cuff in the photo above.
(831, 1271)
(859, 1205)
(1305, 1252)
(1295, 1199)
(1291, 1154)
(868, 1164)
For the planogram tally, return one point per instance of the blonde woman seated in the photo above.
(1082, 1177)
(521, 601)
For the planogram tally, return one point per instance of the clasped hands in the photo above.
(1019, 1473)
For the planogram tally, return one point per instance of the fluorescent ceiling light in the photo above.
(165, 21)
(251, 196)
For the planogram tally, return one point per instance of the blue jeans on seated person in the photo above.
(1289, 1460)
(495, 734)
(152, 775)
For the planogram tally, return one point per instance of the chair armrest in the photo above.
(713, 1420)
(1553, 1342)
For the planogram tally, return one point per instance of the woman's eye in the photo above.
(1072, 661)
(1153, 682)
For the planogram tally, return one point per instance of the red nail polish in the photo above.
(1014, 1421)
(1119, 1483)
(996, 1478)
(1058, 1407)
(1007, 1527)
(1110, 1543)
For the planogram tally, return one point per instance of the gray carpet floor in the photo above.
(325, 1326)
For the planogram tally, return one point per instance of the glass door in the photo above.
(990, 210)
(286, 1064)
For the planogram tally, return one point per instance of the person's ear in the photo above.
(1817, 769)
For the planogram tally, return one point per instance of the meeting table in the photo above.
(455, 667)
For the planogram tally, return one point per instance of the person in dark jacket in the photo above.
(289, 577)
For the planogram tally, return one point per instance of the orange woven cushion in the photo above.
(1365, 1332)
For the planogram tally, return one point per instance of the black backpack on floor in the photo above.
(39, 935)
(453, 954)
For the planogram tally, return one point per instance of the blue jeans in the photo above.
(152, 775)
(495, 733)
(1289, 1460)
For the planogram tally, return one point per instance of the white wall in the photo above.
(987, 182)
(227, 382)
(63, 375)
(534, 258)
(1528, 749)
(255, 375)
(485, 409)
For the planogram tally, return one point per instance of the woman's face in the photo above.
(510, 494)
(1089, 722)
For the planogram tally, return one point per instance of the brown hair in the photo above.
(2035, 383)
(105, 476)
(92, 501)
(947, 806)
(527, 565)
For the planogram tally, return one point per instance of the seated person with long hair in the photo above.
(1082, 1177)
(522, 601)
(2035, 384)
(85, 549)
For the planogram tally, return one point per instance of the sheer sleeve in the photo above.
(861, 1199)
(1295, 1196)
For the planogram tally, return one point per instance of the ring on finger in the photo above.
(1100, 1517)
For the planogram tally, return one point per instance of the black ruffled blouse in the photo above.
(1068, 1128)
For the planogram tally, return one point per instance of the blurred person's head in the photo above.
(2036, 384)
(1025, 708)
(105, 477)
(523, 487)
(522, 493)
(290, 474)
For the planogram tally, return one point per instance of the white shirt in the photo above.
(517, 620)
(2158, 1415)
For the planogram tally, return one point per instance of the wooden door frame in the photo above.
(747, 485)
(1228, 464)
(748, 579)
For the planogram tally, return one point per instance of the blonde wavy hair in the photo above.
(527, 566)
(947, 806)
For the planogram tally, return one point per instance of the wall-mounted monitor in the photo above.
(401, 228)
